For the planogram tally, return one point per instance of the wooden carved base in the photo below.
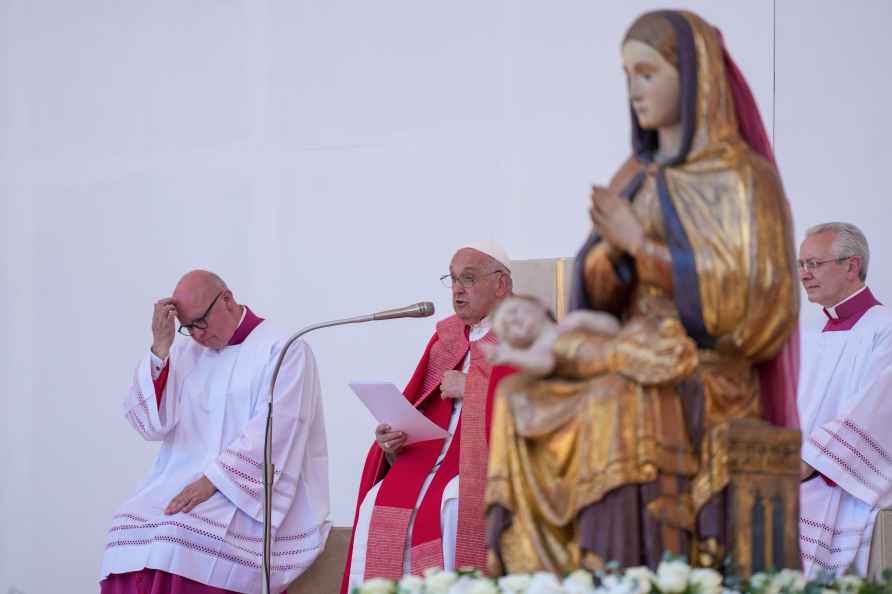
(762, 496)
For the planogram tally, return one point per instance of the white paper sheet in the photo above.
(388, 405)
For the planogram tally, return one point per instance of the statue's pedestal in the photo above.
(762, 500)
(881, 545)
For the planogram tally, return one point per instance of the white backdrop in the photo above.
(325, 157)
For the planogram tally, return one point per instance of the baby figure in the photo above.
(527, 333)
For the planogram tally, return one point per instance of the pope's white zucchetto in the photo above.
(491, 249)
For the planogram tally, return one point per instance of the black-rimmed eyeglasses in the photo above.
(200, 323)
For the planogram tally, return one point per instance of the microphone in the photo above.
(422, 309)
(419, 310)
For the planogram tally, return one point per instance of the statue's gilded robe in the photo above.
(616, 456)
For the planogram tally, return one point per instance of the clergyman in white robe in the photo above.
(210, 419)
(845, 408)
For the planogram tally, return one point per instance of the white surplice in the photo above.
(212, 421)
(845, 407)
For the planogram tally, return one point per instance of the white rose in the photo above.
(672, 577)
(849, 584)
(576, 588)
(581, 577)
(643, 577)
(515, 583)
(439, 582)
(579, 582)
(411, 584)
(789, 579)
(377, 586)
(614, 584)
(774, 587)
(707, 581)
(463, 585)
(545, 583)
(483, 586)
(760, 580)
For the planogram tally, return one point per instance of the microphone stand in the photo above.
(418, 310)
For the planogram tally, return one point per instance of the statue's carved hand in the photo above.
(595, 322)
(614, 220)
(537, 360)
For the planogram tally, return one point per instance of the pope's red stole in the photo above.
(467, 456)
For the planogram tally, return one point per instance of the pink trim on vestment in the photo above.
(850, 311)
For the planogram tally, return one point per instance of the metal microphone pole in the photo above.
(419, 310)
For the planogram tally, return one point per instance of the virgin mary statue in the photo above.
(621, 453)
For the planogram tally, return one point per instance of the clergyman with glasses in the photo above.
(845, 403)
(195, 525)
(421, 505)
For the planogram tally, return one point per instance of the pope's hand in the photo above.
(194, 493)
(392, 442)
(163, 327)
(453, 385)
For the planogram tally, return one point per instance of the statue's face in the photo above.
(654, 86)
(519, 322)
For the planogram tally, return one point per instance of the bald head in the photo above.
(195, 286)
(202, 296)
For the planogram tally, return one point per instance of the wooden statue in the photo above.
(623, 444)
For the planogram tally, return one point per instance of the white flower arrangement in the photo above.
(673, 576)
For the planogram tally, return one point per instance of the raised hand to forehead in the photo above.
(163, 326)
